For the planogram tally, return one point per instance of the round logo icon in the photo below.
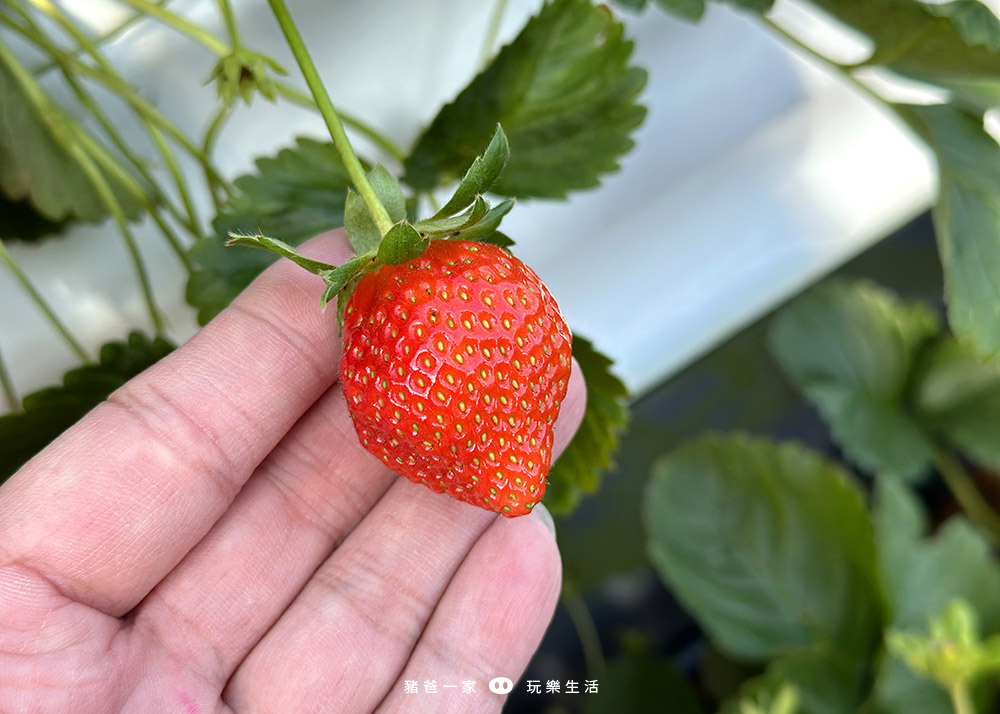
(501, 685)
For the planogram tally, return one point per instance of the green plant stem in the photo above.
(87, 45)
(586, 630)
(148, 113)
(961, 700)
(151, 195)
(492, 31)
(326, 108)
(220, 48)
(963, 488)
(101, 39)
(178, 23)
(53, 319)
(9, 392)
(208, 147)
(227, 15)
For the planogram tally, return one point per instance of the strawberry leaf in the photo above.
(768, 545)
(565, 95)
(591, 452)
(293, 196)
(49, 412)
(481, 176)
(850, 348)
(967, 219)
(37, 144)
(401, 244)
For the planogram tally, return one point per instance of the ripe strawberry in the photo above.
(454, 368)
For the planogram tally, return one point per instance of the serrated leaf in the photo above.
(37, 164)
(20, 221)
(967, 220)
(850, 349)
(362, 232)
(957, 397)
(920, 575)
(566, 96)
(768, 546)
(591, 452)
(401, 244)
(481, 176)
(49, 412)
(292, 196)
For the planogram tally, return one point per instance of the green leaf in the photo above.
(967, 219)
(49, 412)
(566, 96)
(898, 689)
(361, 229)
(20, 221)
(481, 176)
(687, 9)
(921, 575)
(850, 349)
(401, 244)
(640, 682)
(294, 196)
(591, 452)
(768, 546)
(957, 397)
(911, 37)
(973, 21)
(37, 144)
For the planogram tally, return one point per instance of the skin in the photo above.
(213, 538)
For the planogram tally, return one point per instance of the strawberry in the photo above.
(455, 364)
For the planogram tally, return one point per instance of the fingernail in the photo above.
(545, 517)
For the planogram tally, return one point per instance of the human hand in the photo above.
(213, 538)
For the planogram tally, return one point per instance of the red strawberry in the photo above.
(454, 368)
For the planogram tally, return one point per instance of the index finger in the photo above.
(113, 505)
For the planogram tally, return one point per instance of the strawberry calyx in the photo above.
(466, 216)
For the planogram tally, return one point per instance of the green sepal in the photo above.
(281, 248)
(443, 226)
(488, 225)
(362, 232)
(338, 277)
(500, 240)
(402, 243)
(483, 173)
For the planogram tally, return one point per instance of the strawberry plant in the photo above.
(847, 599)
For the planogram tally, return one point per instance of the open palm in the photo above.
(213, 538)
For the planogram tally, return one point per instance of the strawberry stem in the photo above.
(333, 123)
